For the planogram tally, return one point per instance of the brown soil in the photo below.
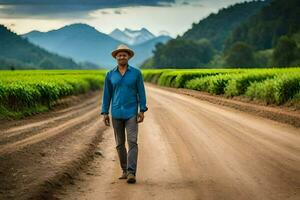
(195, 149)
(285, 114)
(39, 153)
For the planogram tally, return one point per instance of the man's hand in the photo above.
(140, 117)
(106, 120)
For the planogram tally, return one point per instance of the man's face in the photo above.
(122, 57)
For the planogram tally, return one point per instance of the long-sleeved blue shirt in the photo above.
(124, 93)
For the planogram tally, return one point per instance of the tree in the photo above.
(285, 52)
(240, 55)
(183, 53)
(262, 30)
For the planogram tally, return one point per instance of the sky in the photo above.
(171, 17)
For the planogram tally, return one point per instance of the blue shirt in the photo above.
(124, 93)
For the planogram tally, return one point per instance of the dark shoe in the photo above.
(131, 178)
(124, 176)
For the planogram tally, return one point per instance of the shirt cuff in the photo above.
(144, 109)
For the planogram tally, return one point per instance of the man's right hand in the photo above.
(106, 120)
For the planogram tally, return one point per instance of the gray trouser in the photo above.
(128, 164)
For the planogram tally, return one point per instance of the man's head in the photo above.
(122, 57)
(122, 54)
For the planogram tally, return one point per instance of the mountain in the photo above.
(204, 43)
(263, 30)
(145, 50)
(80, 41)
(132, 37)
(86, 44)
(217, 26)
(17, 52)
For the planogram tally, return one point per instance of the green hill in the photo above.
(203, 44)
(263, 30)
(250, 34)
(18, 53)
(217, 26)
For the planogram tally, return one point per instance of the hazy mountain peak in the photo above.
(132, 37)
(84, 43)
(69, 28)
(116, 31)
(78, 27)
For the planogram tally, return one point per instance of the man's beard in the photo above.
(123, 62)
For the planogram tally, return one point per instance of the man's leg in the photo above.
(119, 132)
(131, 126)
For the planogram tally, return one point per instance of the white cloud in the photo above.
(175, 19)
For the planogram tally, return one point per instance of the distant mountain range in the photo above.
(18, 53)
(132, 37)
(84, 43)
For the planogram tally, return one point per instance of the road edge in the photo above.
(70, 171)
(277, 114)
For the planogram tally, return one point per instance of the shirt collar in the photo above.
(116, 68)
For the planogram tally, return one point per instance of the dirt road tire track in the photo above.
(45, 152)
(193, 149)
(284, 114)
(189, 149)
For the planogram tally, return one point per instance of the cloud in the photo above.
(70, 2)
(104, 12)
(66, 8)
(119, 12)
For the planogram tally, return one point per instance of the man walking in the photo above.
(124, 90)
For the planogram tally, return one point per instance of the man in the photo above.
(124, 89)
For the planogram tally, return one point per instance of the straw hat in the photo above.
(122, 47)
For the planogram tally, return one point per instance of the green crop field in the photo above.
(272, 85)
(27, 92)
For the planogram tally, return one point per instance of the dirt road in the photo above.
(192, 149)
(41, 150)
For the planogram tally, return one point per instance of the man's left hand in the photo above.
(140, 117)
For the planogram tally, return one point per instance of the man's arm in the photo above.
(106, 95)
(141, 93)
